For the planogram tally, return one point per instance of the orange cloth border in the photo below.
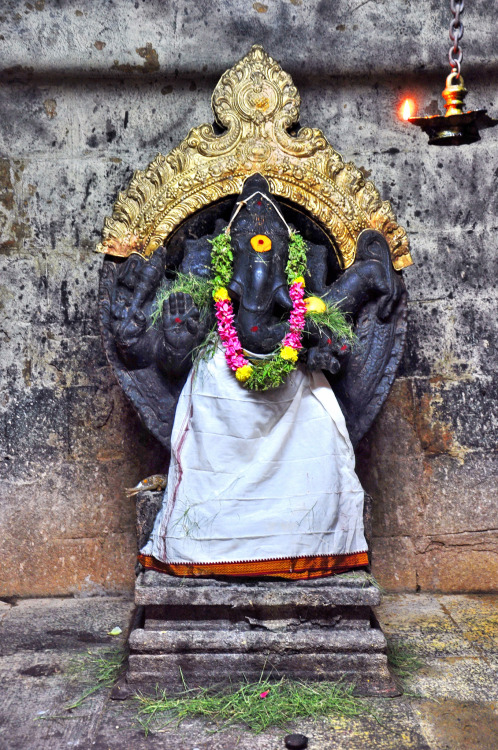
(293, 568)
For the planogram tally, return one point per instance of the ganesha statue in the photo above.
(253, 310)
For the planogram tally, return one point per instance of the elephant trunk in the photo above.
(261, 292)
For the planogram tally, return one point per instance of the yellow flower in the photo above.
(315, 304)
(243, 373)
(287, 352)
(221, 294)
(261, 243)
(299, 280)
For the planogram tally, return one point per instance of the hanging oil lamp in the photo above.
(456, 127)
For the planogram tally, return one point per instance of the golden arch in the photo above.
(257, 103)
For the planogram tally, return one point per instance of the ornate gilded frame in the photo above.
(257, 103)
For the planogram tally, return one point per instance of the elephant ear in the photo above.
(365, 382)
(151, 393)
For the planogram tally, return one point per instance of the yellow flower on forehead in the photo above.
(261, 243)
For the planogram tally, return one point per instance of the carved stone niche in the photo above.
(254, 172)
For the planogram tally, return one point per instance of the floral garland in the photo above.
(268, 373)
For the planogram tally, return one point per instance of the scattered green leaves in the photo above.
(284, 702)
(365, 578)
(268, 373)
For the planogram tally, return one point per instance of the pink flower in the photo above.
(239, 361)
(223, 304)
(231, 350)
(296, 291)
(292, 339)
(263, 695)
(230, 340)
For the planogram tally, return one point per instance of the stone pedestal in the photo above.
(213, 631)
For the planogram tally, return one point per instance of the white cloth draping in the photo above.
(258, 475)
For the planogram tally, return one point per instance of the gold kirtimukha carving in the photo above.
(257, 103)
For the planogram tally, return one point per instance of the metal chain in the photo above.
(456, 33)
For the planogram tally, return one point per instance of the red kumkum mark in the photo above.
(254, 329)
(343, 348)
(259, 203)
(329, 341)
(178, 320)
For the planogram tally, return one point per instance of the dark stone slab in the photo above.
(64, 624)
(342, 618)
(348, 589)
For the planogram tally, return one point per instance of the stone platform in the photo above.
(207, 631)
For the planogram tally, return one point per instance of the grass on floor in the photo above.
(99, 669)
(258, 705)
(403, 660)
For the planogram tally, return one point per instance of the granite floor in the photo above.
(451, 702)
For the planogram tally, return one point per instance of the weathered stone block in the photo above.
(346, 589)
(213, 39)
(458, 562)
(320, 629)
(41, 625)
(394, 563)
(368, 671)
(172, 642)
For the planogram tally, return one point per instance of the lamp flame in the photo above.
(407, 109)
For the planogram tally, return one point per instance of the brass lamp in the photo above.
(456, 127)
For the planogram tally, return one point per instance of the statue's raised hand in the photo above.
(133, 293)
(182, 332)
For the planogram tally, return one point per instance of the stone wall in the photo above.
(91, 91)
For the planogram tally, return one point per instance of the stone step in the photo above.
(250, 623)
(355, 589)
(205, 631)
(367, 671)
(260, 641)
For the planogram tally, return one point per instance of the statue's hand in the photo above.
(321, 359)
(128, 328)
(182, 331)
(136, 285)
(181, 321)
(328, 354)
